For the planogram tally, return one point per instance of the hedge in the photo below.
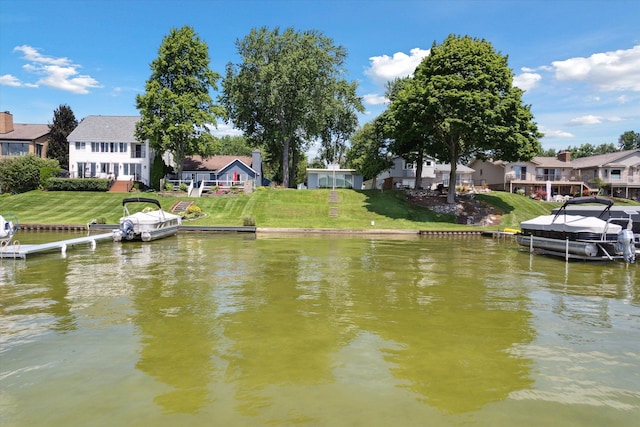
(78, 184)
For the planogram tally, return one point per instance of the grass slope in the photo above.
(276, 208)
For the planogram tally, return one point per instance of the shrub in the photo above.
(168, 186)
(78, 184)
(249, 221)
(520, 192)
(193, 209)
(25, 173)
(541, 195)
(183, 186)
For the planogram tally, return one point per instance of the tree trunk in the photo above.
(453, 150)
(419, 162)
(294, 167)
(285, 163)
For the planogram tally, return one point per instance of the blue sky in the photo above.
(579, 60)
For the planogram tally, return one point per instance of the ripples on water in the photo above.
(318, 330)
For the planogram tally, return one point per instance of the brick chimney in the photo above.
(564, 156)
(6, 122)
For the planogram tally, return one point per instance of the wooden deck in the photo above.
(17, 250)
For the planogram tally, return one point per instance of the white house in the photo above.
(403, 174)
(105, 147)
(333, 177)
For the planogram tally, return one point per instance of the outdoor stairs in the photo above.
(121, 187)
(333, 199)
(181, 206)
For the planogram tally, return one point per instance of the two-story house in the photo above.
(403, 175)
(619, 172)
(106, 147)
(530, 176)
(17, 139)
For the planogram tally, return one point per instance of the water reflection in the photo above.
(288, 330)
(36, 303)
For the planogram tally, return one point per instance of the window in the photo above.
(133, 169)
(408, 165)
(616, 174)
(521, 172)
(80, 146)
(138, 151)
(15, 148)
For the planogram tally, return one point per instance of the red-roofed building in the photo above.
(224, 171)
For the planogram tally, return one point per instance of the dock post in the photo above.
(63, 250)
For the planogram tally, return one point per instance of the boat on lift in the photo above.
(578, 236)
(8, 227)
(146, 225)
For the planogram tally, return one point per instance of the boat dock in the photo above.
(17, 250)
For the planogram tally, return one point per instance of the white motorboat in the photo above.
(578, 236)
(146, 225)
(8, 227)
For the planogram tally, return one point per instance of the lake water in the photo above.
(245, 330)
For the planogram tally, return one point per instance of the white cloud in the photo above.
(223, 129)
(385, 68)
(527, 80)
(32, 54)
(609, 71)
(593, 120)
(9, 80)
(58, 73)
(555, 133)
(375, 99)
(586, 120)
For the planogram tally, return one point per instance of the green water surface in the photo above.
(245, 330)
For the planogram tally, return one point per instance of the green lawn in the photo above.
(274, 208)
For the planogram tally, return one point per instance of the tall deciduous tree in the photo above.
(406, 124)
(341, 121)
(64, 122)
(288, 91)
(369, 153)
(586, 150)
(177, 107)
(629, 140)
(463, 104)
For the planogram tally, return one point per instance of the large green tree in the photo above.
(369, 151)
(288, 91)
(177, 109)
(629, 140)
(341, 121)
(586, 150)
(461, 104)
(64, 122)
(406, 124)
(236, 145)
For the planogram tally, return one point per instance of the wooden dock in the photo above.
(17, 250)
